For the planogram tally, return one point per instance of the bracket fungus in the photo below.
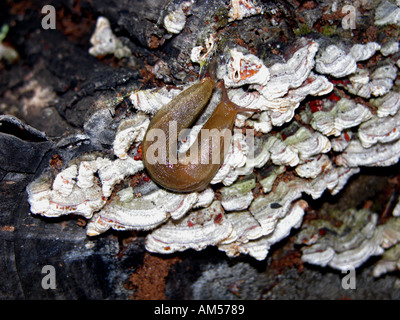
(355, 238)
(314, 118)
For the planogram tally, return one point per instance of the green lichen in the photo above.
(240, 188)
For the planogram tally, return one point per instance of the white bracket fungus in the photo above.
(345, 114)
(245, 69)
(383, 129)
(390, 47)
(388, 104)
(387, 13)
(243, 221)
(352, 243)
(336, 62)
(377, 84)
(197, 230)
(378, 155)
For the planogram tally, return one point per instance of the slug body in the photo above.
(197, 169)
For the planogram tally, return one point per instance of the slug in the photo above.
(195, 172)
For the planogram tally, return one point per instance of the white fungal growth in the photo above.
(151, 100)
(388, 104)
(197, 54)
(336, 62)
(277, 155)
(352, 243)
(308, 144)
(379, 83)
(238, 196)
(291, 74)
(390, 47)
(389, 262)
(379, 155)
(64, 181)
(236, 157)
(281, 154)
(247, 236)
(104, 41)
(383, 129)
(342, 141)
(175, 20)
(64, 199)
(345, 114)
(242, 8)
(245, 69)
(387, 13)
(198, 230)
(131, 130)
(146, 212)
(85, 197)
(362, 52)
(314, 167)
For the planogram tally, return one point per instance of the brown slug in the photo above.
(196, 170)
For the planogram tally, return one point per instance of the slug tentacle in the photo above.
(193, 170)
(239, 109)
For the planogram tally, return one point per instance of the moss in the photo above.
(303, 30)
(328, 30)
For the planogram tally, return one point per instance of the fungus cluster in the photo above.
(312, 135)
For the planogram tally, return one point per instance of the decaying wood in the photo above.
(55, 89)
